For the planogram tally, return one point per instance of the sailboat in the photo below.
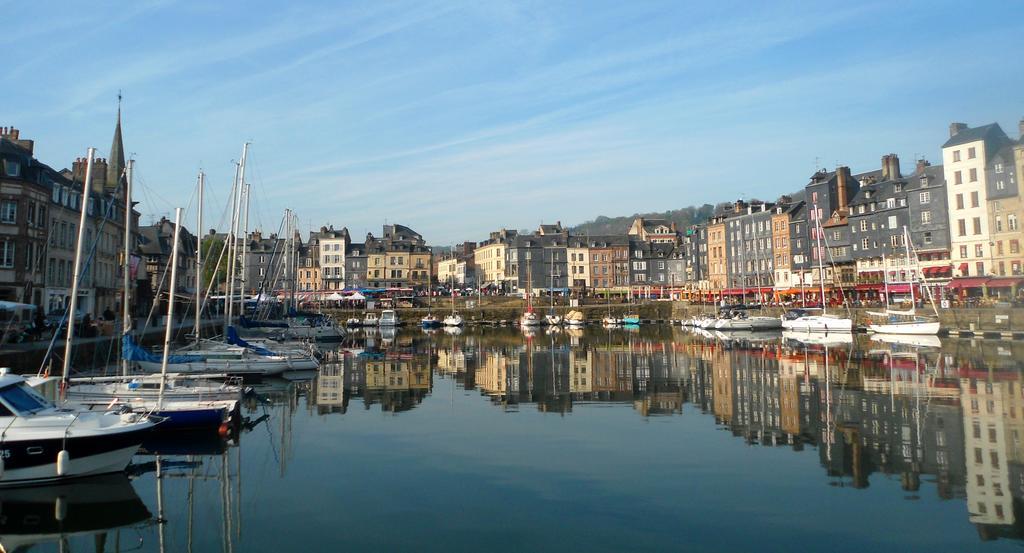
(552, 318)
(529, 317)
(430, 320)
(453, 319)
(894, 321)
(803, 319)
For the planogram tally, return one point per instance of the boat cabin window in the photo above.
(21, 399)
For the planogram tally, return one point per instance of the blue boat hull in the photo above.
(211, 417)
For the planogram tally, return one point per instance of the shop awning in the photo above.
(1004, 282)
(969, 282)
(868, 287)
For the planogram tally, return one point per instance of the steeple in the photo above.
(115, 161)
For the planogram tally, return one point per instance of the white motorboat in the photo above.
(353, 322)
(575, 318)
(802, 320)
(919, 326)
(371, 319)
(764, 323)
(43, 442)
(317, 328)
(430, 321)
(388, 317)
(552, 319)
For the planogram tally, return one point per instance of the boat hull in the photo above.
(235, 367)
(817, 323)
(930, 328)
(90, 455)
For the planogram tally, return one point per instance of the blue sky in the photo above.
(457, 118)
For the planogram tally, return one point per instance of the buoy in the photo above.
(60, 509)
(63, 462)
(224, 430)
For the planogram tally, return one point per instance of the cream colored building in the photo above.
(965, 157)
(489, 258)
(579, 263)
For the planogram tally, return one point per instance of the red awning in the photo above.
(899, 288)
(866, 287)
(1004, 282)
(963, 267)
(970, 282)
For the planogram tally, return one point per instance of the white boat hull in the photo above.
(453, 320)
(818, 323)
(916, 328)
(266, 367)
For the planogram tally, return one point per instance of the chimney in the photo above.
(14, 135)
(894, 166)
(842, 176)
(885, 168)
(954, 128)
(921, 164)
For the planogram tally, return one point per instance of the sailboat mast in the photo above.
(906, 248)
(199, 257)
(229, 246)
(821, 266)
(169, 328)
(126, 312)
(245, 247)
(73, 302)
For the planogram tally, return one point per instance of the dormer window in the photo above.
(898, 187)
(12, 168)
(924, 182)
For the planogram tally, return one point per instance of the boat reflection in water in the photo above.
(98, 509)
(914, 410)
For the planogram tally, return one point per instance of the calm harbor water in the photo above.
(598, 440)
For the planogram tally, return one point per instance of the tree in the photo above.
(212, 247)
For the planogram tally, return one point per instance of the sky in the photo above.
(460, 118)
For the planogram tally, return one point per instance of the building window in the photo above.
(959, 201)
(890, 203)
(1000, 185)
(979, 250)
(958, 177)
(925, 197)
(1011, 221)
(974, 199)
(927, 238)
(971, 153)
(865, 243)
(999, 224)
(12, 168)
(9, 211)
(980, 268)
(892, 222)
(7, 254)
(963, 252)
(926, 217)
(977, 225)
(974, 175)
(1014, 246)
(956, 155)
(961, 225)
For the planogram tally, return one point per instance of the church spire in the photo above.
(115, 161)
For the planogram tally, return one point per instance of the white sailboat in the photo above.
(453, 319)
(529, 317)
(907, 321)
(805, 321)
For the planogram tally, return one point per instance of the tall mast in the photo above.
(245, 246)
(229, 246)
(199, 257)
(73, 303)
(169, 328)
(821, 266)
(906, 247)
(243, 188)
(126, 312)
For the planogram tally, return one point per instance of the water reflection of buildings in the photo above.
(924, 418)
(396, 381)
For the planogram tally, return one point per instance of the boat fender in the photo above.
(63, 462)
(60, 509)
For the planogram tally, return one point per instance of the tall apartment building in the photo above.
(1005, 208)
(489, 259)
(333, 245)
(23, 229)
(965, 157)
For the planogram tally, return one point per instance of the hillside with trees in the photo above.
(619, 225)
